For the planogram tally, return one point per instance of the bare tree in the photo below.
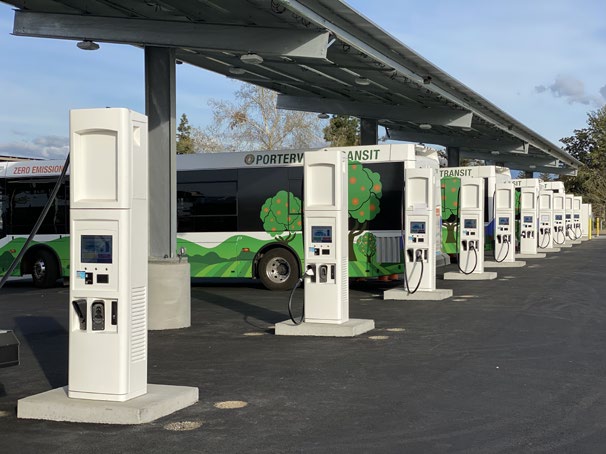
(252, 122)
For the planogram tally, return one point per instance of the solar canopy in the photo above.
(320, 56)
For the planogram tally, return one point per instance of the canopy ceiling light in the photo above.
(532, 166)
(236, 70)
(362, 81)
(424, 126)
(323, 116)
(251, 59)
(495, 152)
(87, 45)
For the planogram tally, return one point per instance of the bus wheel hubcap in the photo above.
(39, 269)
(278, 270)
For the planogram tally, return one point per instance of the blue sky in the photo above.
(541, 61)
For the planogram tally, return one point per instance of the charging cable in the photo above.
(579, 230)
(547, 235)
(309, 272)
(505, 241)
(472, 247)
(556, 236)
(418, 259)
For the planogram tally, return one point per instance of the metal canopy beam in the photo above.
(436, 116)
(230, 38)
(516, 161)
(506, 146)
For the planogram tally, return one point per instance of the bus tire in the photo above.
(278, 270)
(45, 270)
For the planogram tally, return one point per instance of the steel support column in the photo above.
(369, 131)
(160, 107)
(454, 156)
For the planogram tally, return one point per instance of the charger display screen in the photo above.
(470, 224)
(504, 221)
(527, 219)
(321, 234)
(96, 248)
(417, 227)
(558, 217)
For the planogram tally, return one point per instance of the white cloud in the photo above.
(571, 89)
(45, 147)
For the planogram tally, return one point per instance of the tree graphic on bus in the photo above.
(450, 213)
(367, 245)
(365, 192)
(281, 214)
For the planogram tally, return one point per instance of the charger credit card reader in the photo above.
(326, 234)
(109, 253)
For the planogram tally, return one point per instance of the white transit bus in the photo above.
(238, 214)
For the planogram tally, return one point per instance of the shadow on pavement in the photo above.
(48, 340)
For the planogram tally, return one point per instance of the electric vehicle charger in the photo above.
(419, 254)
(505, 239)
(472, 246)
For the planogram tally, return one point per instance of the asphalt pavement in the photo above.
(513, 365)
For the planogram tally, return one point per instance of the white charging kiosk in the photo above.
(420, 208)
(529, 221)
(559, 223)
(325, 223)
(471, 233)
(545, 236)
(577, 228)
(108, 281)
(585, 219)
(109, 250)
(504, 228)
(568, 222)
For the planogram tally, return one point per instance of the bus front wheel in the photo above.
(278, 270)
(45, 270)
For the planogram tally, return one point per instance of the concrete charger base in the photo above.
(420, 295)
(458, 276)
(538, 255)
(352, 327)
(169, 297)
(55, 405)
(551, 249)
(493, 264)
